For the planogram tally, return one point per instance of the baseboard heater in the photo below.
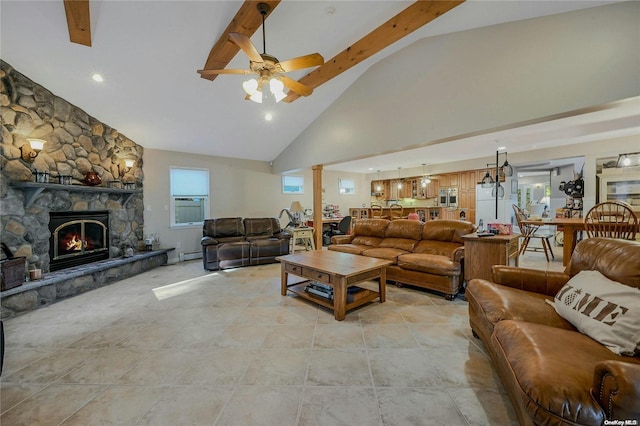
(190, 256)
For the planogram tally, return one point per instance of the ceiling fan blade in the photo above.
(295, 86)
(306, 61)
(245, 44)
(225, 71)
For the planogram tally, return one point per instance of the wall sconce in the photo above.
(30, 151)
(128, 164)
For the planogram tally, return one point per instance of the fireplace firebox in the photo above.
(78, 238)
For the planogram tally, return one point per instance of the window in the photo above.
(346, 186)
(189, 196)
(292, 184)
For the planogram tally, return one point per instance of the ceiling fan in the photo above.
(269, 69)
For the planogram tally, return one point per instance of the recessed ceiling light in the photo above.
(268, 116)
(97, 77)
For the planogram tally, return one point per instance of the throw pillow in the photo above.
(605, 310)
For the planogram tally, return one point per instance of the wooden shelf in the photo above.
(33, 189)
(299, 289)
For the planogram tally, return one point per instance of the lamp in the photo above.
(487, 181)
(425, 180)
(30, 151)
(296, 210)
(399, 181)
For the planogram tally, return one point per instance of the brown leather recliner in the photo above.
(553, 373)
(230, 242)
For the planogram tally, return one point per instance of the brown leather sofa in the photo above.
(229, 242)
(554, 374)
(428, 255)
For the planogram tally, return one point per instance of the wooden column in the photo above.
(317, 204)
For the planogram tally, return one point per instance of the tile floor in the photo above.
(179, 345)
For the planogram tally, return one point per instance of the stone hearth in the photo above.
(73, 281)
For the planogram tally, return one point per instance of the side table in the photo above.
(481, 253)
(305, 234)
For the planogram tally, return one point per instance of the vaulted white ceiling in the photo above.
(149, 51)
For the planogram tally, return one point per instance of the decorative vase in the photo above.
(92, 179)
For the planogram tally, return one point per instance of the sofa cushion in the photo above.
(386, 253)
(371, 227)
(441, 248)
(447, 230)
(497, 302)
(259, 227)
(404, 228)
(399, 243)
(349, 248)
(366, 240)
(553, 380)
(223, 227)
(429, 263)
(605, 310)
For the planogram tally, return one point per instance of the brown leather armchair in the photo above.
(553, 373)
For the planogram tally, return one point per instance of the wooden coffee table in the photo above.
(338, 270)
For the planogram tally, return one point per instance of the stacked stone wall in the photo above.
(76, 143)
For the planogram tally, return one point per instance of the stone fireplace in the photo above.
(35, 214)
(78, 238)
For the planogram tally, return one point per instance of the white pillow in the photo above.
(605, 310)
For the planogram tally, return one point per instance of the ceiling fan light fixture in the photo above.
(277, 88)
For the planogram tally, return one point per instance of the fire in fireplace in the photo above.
(78, 238)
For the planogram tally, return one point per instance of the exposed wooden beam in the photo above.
(404, 23)
(247, 21)
(78, 21)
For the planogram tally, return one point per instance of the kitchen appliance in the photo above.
(486, 208)
(448, 197)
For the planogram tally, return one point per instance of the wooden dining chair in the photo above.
(611, 219)
(529, 232)
(396, 211)
(376, 212)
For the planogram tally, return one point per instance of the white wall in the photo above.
(242, 188)
(475, 80)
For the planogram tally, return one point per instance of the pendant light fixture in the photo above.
(378, 185)
(425, 180)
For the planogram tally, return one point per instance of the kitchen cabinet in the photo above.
(621, 184)
(454, 180)
(380, 189)
(468, 180)
(432, 189)
(357, 213)
(443, 180)
(448, 213)
(405, 191)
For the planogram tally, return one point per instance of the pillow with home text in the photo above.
(605, 310)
